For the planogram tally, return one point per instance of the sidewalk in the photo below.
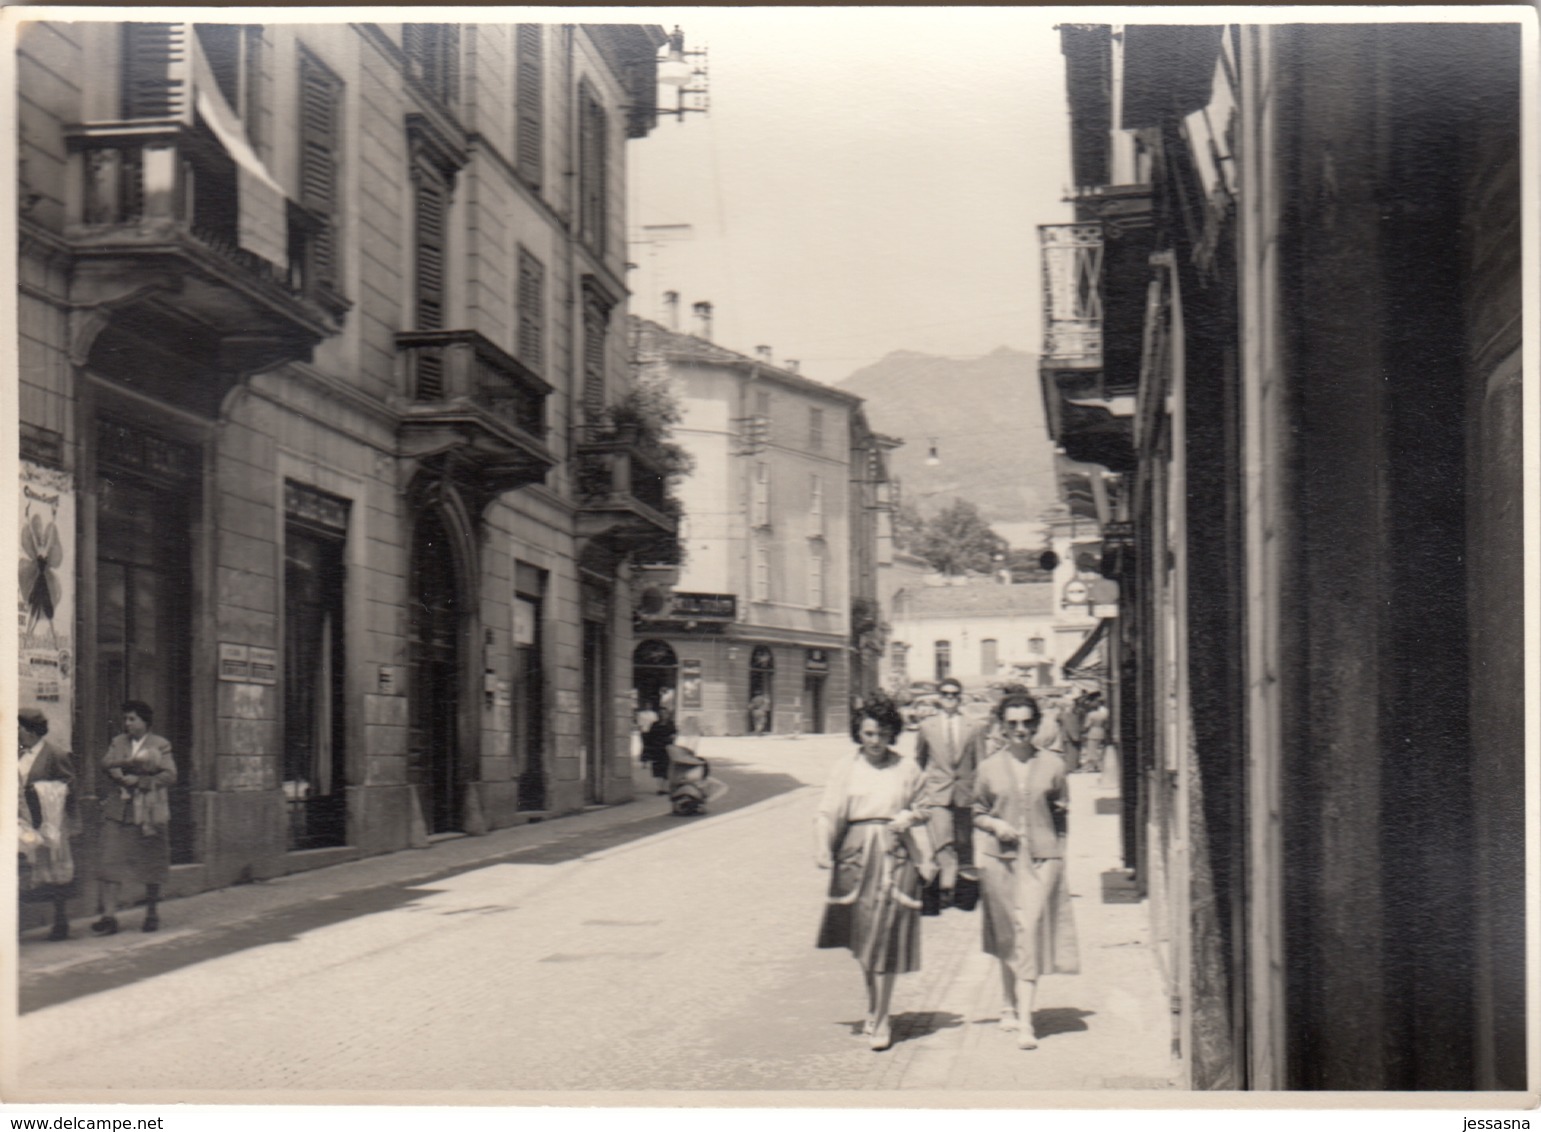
(335, 892)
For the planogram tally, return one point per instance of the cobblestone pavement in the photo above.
(618, 950)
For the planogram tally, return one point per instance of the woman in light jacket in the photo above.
(136, 813)
(870, 834)
(1020, 799)
(47, 819)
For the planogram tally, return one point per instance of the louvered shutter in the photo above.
(593, 360)
(593, 151)
(532, 295)
(432, 207)
(154, 63)
(319, 96)
(530, 94)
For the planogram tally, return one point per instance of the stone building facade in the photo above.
(787, 480)
(318, 329)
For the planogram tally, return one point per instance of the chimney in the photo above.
(791, 364)
(703, 313)
(763, 353)
(671, 306)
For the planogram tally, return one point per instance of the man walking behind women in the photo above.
(948, 749)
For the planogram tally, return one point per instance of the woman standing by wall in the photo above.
(136, 813)
(47, 819)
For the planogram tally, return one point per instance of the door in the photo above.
(529, 700)
(314, 763)
(144, 614)
(596, 682)
(434, 680)
(813, 701)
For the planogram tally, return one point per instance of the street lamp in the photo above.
(932, 457)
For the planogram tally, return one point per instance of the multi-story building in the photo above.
(979, 631)
(763, 602)
(1283, 354)
(319, 325)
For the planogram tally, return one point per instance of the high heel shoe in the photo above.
(1010, 1023)
(882, 1036)
(1027, 1037)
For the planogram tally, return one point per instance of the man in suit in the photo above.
(947, 748)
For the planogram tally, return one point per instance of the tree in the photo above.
(957, 539)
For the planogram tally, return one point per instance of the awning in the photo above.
(1079, 661)
(262, 221)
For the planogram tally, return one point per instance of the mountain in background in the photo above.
(986, 415)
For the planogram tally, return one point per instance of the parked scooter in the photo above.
(691, 785)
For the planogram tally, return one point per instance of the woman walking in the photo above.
(870, 833)
(136, 812)
(1020, 799)
(46, 820)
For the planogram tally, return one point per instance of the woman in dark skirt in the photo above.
(136, 816)
(870, 833)
(47, 820)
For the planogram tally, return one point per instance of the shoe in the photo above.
(1010, 1022)
(152, 923)
(1026, 1038)
(58, 932)
(882, 1037)
(107, 925)
(946, 898)
(866, 1027)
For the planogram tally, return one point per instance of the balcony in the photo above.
(162, 240)
(1095, 274)
(474, 409)
(622, 492)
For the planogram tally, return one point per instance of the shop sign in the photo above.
(234, 662)
(818, 660)
(264, 665)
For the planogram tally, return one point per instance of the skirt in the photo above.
(129, 856)
(1027, 919)
(874, 902)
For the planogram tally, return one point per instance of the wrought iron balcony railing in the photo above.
(451, 365)
(614, 464)
(1072, 295)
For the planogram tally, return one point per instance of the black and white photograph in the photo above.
(746, 558)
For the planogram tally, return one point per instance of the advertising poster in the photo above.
(46, 597)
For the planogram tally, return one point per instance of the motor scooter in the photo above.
(690, 781)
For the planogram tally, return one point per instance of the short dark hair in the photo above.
(1016, 700)
(33, 720)
(143, 710)
(948, 682)
(881, 710)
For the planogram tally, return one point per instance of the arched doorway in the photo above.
(433, 656)
(655, 670)
(762, 683)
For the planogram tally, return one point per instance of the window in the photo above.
(899, 659)
(761, 573)
(530, 95)
(943, 659)
(234, 55)
(431, 212)
(154, 72)
(816, 578)
(761, 516)
(816, 429)
(532, 310)
(988, 661)
(816, 505)
(1035, 646)
(433, 56)
(762, 404)
(593, 171)
(596, 320)
(320, 140)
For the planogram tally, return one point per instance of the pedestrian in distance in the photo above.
(47, 820)
(948, 748)
(136, 817)
(759, 714)
(870, 834)
(655, 746)
(1020, 804)
(1096, 732)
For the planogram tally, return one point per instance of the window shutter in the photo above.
(431, 223)
(530, 92)
(154, 57)
(532, 296)
(320, 94)
(593, 361)
(593, 137)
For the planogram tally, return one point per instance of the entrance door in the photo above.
(813, 700)
(596, 682)
(144, 616)
(314, 768)
(434, 678)
(655, 674)
(762, 691)
(529, 703)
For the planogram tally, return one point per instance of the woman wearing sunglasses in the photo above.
(1020, 800)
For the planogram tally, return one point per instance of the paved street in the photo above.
(621, 950)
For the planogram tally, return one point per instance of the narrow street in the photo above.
(676, 958)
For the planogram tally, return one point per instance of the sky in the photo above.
(866, 180)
